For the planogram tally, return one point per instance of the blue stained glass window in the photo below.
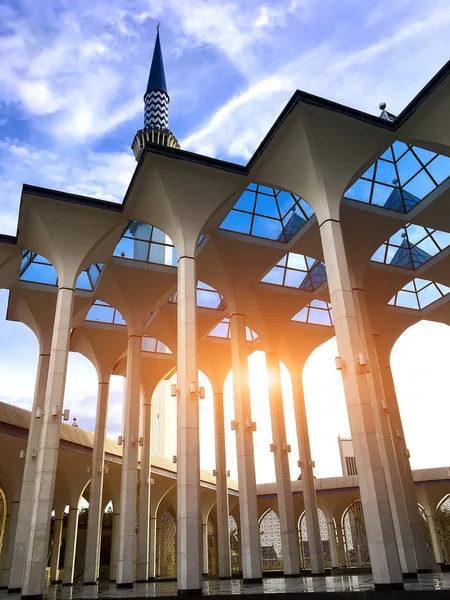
(223, 330)
(418, 294)
(268, 213)
(101, 312)
(317, 312)
(402, 177)
(144, 242)
(297, 271)
(207, 297)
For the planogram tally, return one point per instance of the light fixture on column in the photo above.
(312, 464)
(286, 447)
(99, 469)
(34, 453)
(214, 473)
(39, 412)
(174, 459)
(192, 387)
(22, 454)
(174, 390)
(201, 392)
(250, 424)
(88, 469)
(234, 425)
(300, 464)
(384, 404)
(228, 473)
(407, 453)
(106, 469)
(151, 481)
(55, 410)
(340, 363)
(273, 447)
(133, 438)
(120, 440)
(363, 362)
(66, 414)
(141, 441)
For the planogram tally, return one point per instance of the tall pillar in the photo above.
(71, 546)
(308, 487)
(385, 563)
(388, 459)
(223, 536)
(47, 459)
(248, 508)
(435, 538)
(189, 543)
(95, 513)
(404, 468)
(8, 543)
(144, 493)
(129, 479)
(340, 545)
(29, 474)
(205, 568)
(152, 550)
(115, 531)
(333, 544)
(56, 547)
(289, 535)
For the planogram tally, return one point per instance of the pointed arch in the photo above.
(167, 545)
(355, 536)
(305, 557)
(427, 533)
(443, 523)
(270, 541)
(234, 545)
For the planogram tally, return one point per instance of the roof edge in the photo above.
(33, 190)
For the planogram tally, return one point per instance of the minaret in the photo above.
(156, 112)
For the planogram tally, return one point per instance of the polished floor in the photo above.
(341, 583)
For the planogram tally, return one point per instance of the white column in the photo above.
(223, 535)
(144, 493)
(333, 544)
(308, 488)
(385, 563)
(29, 475)
(248, 508)
(95, 513)
(435, 538)
(8, 543)
(205, 568)
(189, 543)
(288, 529)
(388, 459)
(115, 531)
(56, 548)
(404, 468)
(152, 550)
(71, 546)
(129, 480)
(47, 459)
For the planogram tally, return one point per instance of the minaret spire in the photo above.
(156, 112)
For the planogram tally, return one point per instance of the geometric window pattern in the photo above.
(401, 178)
(152, 345)
(427, 534)
(297, 271)
(37, 269)
(355, 537)
(144, 242)
(412, 246)
(168, 546)
(270, 540)
(207, 297)
(324, 537)
(443, 523)
(317, 312)
(234, 544)
(223, 330)
(268, 213)
(212, 549)
(419, 293)
(101, 312)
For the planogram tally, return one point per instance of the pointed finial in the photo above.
(382, 105)
(158, 26)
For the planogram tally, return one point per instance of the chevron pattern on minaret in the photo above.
(156, 113)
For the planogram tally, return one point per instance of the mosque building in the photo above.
(339, 225)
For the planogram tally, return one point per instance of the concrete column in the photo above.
(385, 563)
(404, 468)
(114, 546)
(189, 543)
(435, 538)
(47, 459)
(95, 513)
(205, 561)
(248, 508)
(129, 479)
(152, 550)
(341, 545)
(71, 546)
(308, 488)
(223, 535)
(56, 549)
(388, 458)
(289, 534)
(144, 494)
(29, 474)
(333, 544)
(7, 549)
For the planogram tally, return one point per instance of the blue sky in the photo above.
(74, 72)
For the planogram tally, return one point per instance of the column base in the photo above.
(124, 586)
(409, 575)
(443, 566)
(190, 592)
(112, 581)
(56, 582)
(14, 590)
(253, 580)
(141, 580)
(422, 571)
(33, 597)
(66, 584)
(225, 577)
(90, 582)
(151, 579)
(384, 587)
(3, 587)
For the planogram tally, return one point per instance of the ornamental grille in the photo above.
(168, 546)
(270, 540)
(234, 545)
(305, 554)
(212, 549)
(427, 534)
(443, 523)
(355, 536)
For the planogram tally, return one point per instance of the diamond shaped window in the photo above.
(223, 330)
(401, 178)
(412, 246)
(297, 271)
(317, 312)
(418, 294)
(144, 242)
(37, 269)
(268, 213)
(101, 312)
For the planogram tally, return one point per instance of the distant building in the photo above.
(347, 456)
